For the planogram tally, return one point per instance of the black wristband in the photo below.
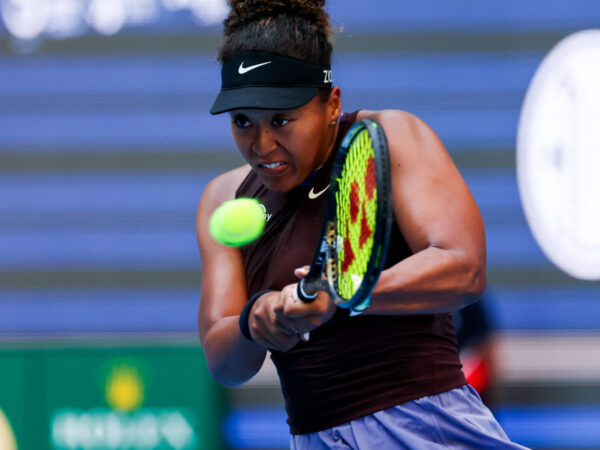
(245, 315)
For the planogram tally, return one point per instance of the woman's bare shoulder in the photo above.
(224, 186)
(406, 132)
(395, 117)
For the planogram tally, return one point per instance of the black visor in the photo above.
(267, 80)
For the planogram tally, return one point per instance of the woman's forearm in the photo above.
(434, 280)
(231, 358)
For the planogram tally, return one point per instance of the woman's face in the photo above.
(284, 146)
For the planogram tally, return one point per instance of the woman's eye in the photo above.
(280, 121)
(241, 121)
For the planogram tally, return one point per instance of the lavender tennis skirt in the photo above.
(456, 419)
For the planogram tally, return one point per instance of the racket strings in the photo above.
(356, 215)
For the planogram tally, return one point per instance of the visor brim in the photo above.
(263, 97)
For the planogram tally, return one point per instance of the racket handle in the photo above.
(301, 293)
(297, 293)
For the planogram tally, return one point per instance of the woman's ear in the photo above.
(334, 104)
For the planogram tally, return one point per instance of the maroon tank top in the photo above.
(352, 366)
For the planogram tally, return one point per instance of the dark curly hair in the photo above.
(296, 28)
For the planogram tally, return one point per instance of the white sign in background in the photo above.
(558, 155)
(30, 19)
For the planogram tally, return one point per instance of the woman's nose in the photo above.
(264, 143)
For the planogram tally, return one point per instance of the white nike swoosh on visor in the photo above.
(242, 70)
(312, 194)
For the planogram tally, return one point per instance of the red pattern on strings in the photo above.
(348, 254)
(365, 230)
(354, 201)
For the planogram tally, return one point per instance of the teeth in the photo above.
(272, 166)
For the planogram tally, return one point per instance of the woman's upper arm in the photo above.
(223, 291)
(432, 203)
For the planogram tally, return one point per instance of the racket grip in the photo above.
(297, 293)
(300, 293)
(308, 288)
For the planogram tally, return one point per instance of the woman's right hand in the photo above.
(267, 327)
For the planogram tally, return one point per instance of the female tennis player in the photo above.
(389, 377)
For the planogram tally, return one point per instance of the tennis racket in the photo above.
(357, 221)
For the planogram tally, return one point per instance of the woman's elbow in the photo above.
(475, 280)
(226, 378)
(234, 369)
(223, 373)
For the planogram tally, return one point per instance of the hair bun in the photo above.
(244, 12)
(296, 28)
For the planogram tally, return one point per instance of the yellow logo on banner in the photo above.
(126, 424)
(125, 388)
(7, 437)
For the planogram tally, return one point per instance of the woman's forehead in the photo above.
(260, 112)
(308, 108)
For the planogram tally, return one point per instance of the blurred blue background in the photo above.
(106, 145)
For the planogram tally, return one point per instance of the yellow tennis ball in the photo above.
(237, 222)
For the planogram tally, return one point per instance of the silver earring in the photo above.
(332, 123)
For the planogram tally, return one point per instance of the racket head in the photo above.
(358, 215)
